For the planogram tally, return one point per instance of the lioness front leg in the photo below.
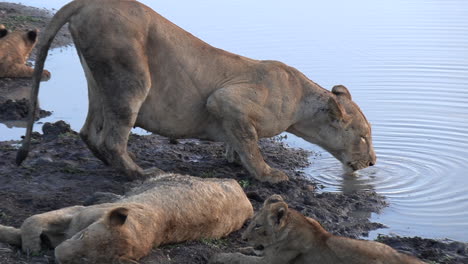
(236, 258)
(24, 71)
(240, 133)
(231, 155)
(53, 223)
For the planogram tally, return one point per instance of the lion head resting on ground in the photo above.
(168, 209)
(284, 236)
(15, 48)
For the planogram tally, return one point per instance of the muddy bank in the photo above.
(15, 92)
(19, 110)
(60, 171)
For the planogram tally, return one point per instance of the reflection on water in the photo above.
(405, 62)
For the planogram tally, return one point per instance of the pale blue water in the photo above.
(405, 62)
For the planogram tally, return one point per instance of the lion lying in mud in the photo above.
(142, 70)
(15, 48)
(285, 236)
(168, 209)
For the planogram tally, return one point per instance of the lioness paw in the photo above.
(45, 75)
(274, 176)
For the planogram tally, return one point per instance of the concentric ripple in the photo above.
(412, 83)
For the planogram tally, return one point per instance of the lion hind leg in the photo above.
(90, 132)
(117, 91)
(10, 235)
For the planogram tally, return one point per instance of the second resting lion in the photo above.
(284, 236)
(169, 209)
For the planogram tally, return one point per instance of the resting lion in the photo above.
(168, 209)
(142, 70)
(287, 237)
(15, 48)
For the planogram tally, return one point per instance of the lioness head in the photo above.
(22, 41)
(342, 130)
(108, 240)
(268, 224)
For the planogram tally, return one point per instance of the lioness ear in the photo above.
(341, 90)
(336, 111)
(279, 214)
(3, 31)
(117, 216)
(32, 35)
(275, 198)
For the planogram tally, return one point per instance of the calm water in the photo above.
(405, 62)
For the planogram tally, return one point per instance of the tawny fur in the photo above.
(15, 48)
(288, 237)
(168, 209)
(142, 70)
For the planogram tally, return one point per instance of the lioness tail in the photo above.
(10, 235)
(59, 19)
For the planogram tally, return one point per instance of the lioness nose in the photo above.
(371, 163)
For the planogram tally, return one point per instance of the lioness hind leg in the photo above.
(228, 104)
(117, 91)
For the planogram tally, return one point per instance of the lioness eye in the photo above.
(257, 226)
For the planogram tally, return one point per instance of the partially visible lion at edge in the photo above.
(144, 71)
(169, 209)
(15, 48)
(281, 235)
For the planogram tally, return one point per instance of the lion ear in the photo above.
(279, 213)
(275, 198)
(341, 90)
(3, 31)
(336, 111)
(117, 217)
(32, 35)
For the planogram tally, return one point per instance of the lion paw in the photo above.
(275, 176)
(45, 75)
